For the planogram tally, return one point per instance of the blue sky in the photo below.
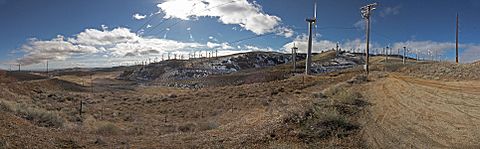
(30, 29)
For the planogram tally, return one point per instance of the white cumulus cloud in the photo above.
(138, 16)
(249, 16)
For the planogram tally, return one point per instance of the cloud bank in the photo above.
(238, 12)
(114, 44)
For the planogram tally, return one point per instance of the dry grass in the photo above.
(40, 117)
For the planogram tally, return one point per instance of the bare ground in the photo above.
(409, 112)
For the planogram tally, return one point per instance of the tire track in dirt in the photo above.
(413, 113)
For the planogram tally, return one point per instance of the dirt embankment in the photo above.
(446, 71)
(415, 113)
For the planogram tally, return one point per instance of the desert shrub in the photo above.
(107, 128)
(318, 95)
(394, 67)
(204, 126)
(334, 123)
(344, 96)
(40, 117)
(6, 106)
(326, 123)
(347, 97)
(332, 91)
(281, 145)
(359, 79)
(188, 127)
(3, 144)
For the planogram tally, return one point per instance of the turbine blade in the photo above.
(315, 10)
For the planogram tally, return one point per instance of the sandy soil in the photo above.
(414, 113)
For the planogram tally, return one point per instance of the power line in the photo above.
(252, 37)
(147, 22)
(154, 27)
(295, 29)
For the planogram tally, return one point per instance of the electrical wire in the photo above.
(147, 22)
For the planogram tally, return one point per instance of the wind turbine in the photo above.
(311, 24)
(294, 57)
(47, 67)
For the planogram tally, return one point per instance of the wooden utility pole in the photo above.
(456, 44)
(404, 53)
(366, 12)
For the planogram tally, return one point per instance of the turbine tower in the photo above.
(294, 57)
(311, 24)
(47, 67)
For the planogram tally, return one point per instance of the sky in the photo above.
(105, 33)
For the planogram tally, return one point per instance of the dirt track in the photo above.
(414, 113)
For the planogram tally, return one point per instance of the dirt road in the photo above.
(415, 113)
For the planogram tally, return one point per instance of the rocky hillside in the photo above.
(244, 68)
(200, 68)
(334, 63)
